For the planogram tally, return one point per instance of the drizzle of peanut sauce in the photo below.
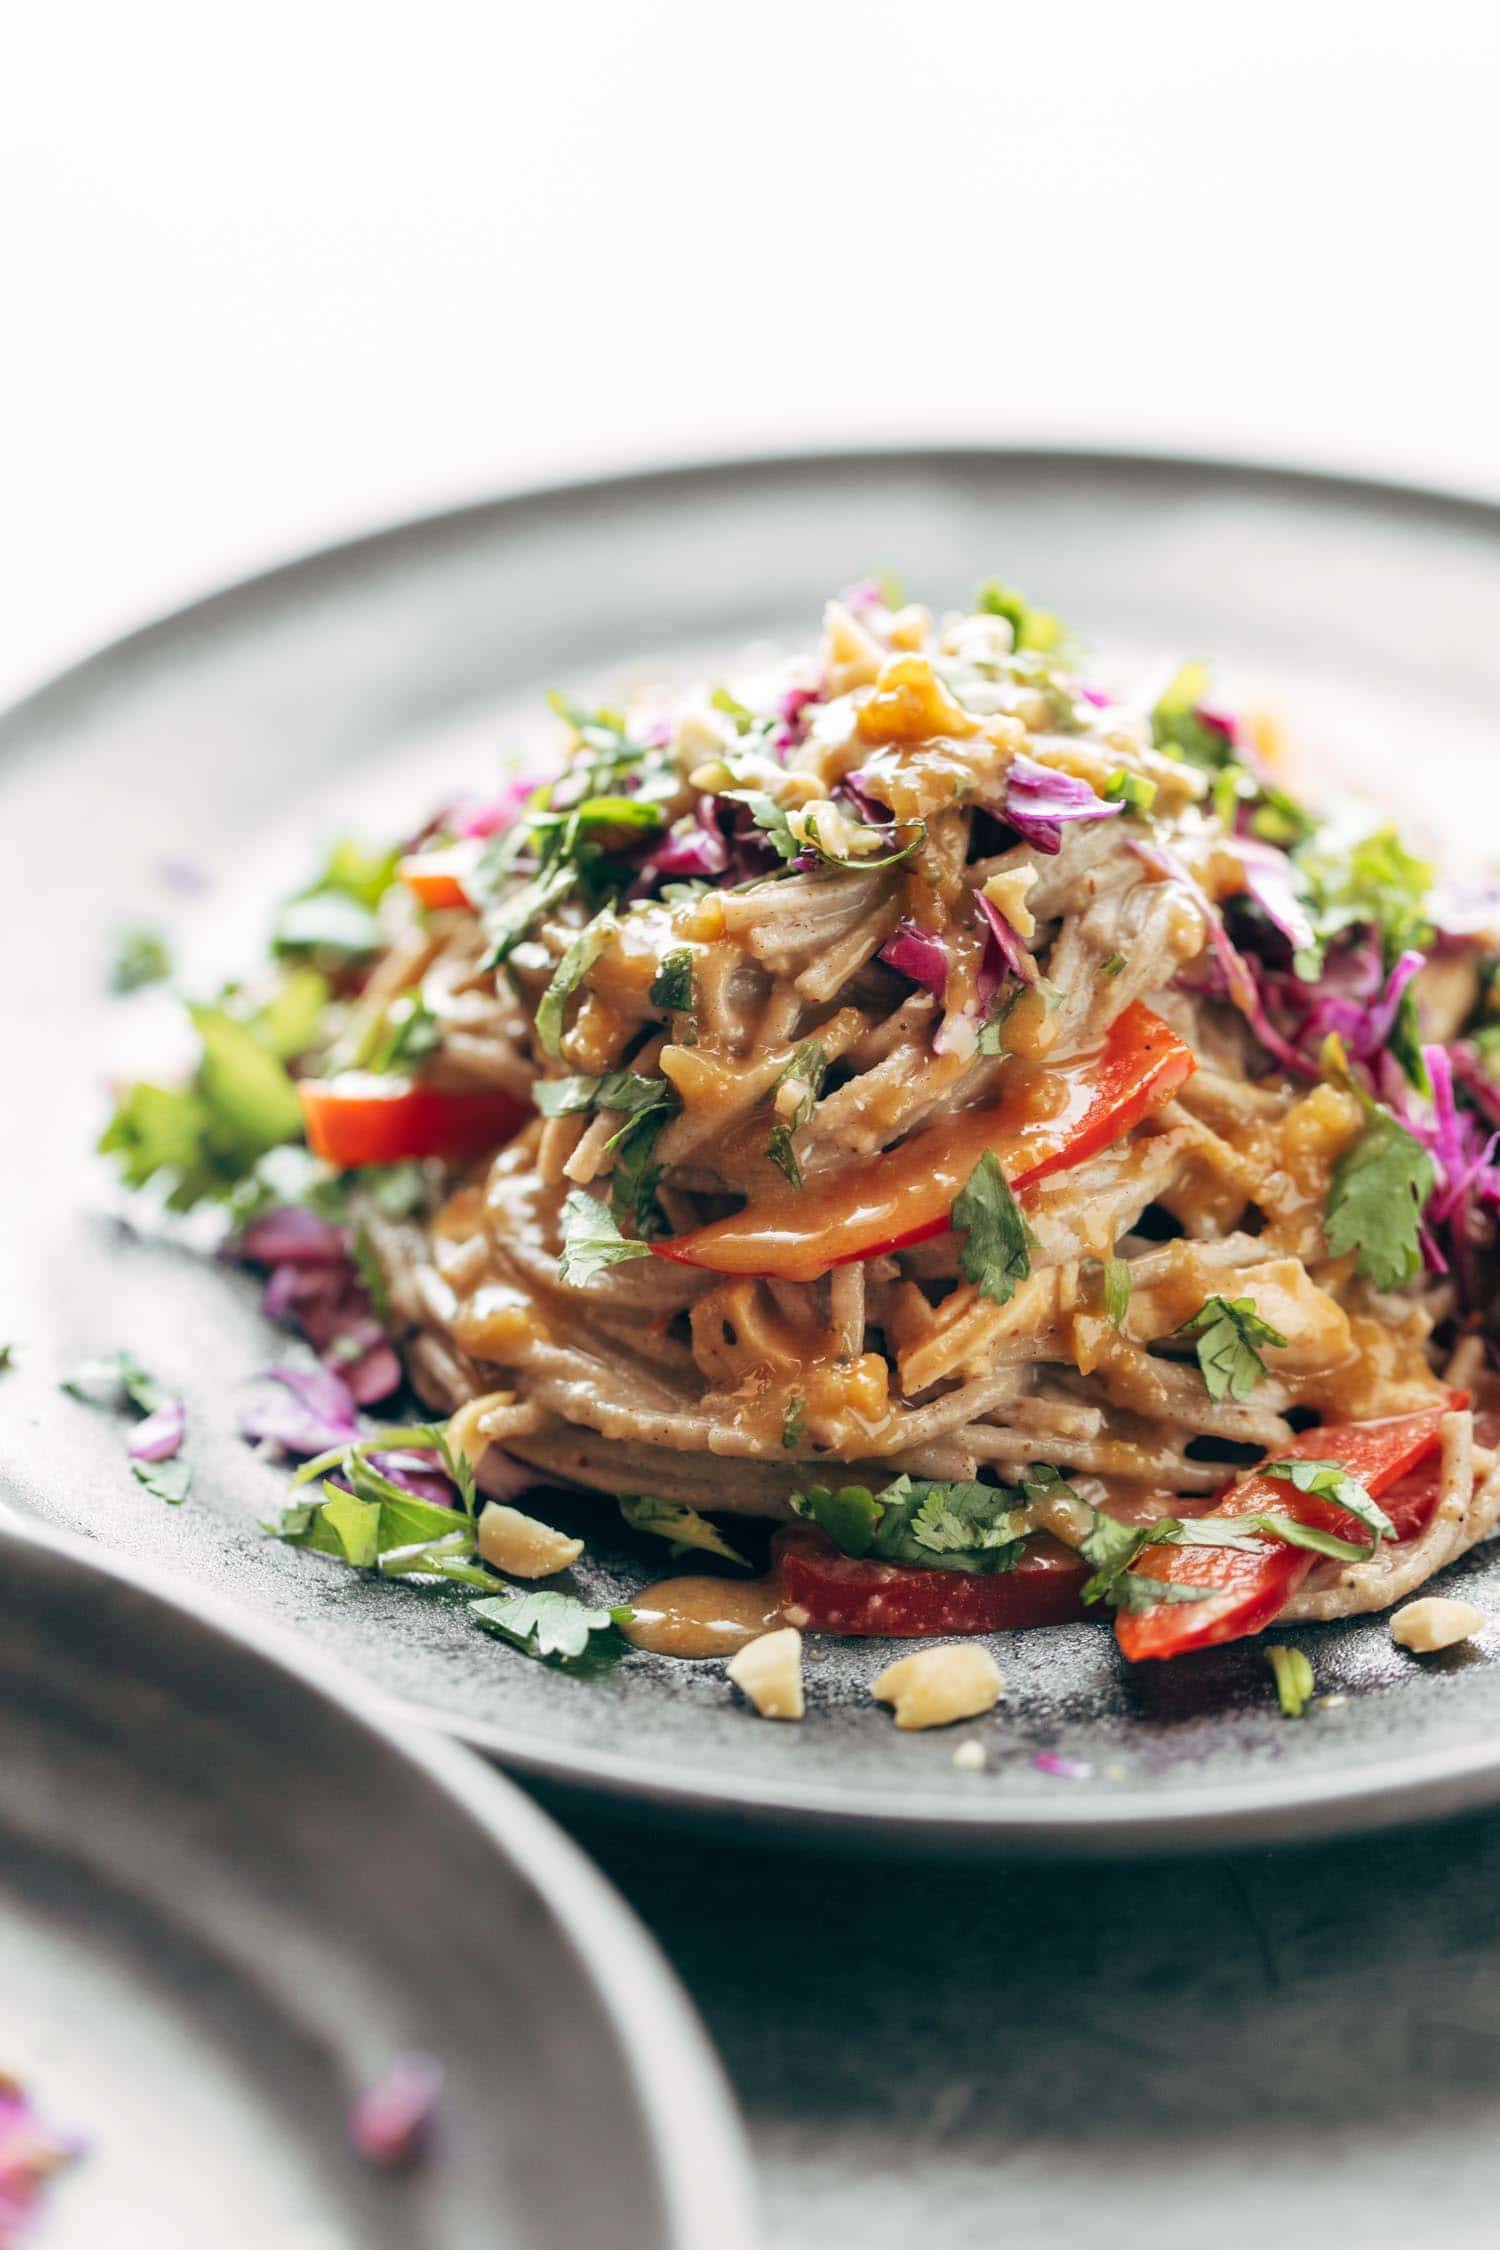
(703, 1616)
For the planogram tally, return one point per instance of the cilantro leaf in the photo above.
(920, 1521)
(1294, 1679)
(769, 817)
(411, 1033)
(164, 1480)
(805, 1070)
(623, 1090)
(113, 1379)
(1132, 1590)
(1228, 1330)
(1327, 1480)
(1375, 1201)
(592, 1240)
(792, 1421)
(683, 1526)
(334, 916)
(1136, 791)
(1177, 728)
(206, 1138)
(566, 978)
(1030, 628)
(355, 1523)
(634, 1180)
(140, 958)
(996, 1251)
(547, 1623)
(672, 986)
(742, 715)
(850, 1517)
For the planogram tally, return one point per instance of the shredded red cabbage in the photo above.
(160, 1436)
(312, 1412)
(919, 954)
(1002, 950)
(391, 2122)
(1239, 980)
(1038, 799)
(1270, 882)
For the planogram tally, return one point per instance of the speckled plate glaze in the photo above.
(358, 686)
(230, 1898)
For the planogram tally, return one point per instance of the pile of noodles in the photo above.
(932, 858)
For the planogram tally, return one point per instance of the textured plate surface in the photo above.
(358, 687)
(228, 1901)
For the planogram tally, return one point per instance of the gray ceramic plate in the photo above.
(228, 1900)
(361, 685)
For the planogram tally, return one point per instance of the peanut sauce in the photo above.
(703, 1616)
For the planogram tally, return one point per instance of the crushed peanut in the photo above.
(934, 1686)
(768, 1673)
(969, 1757)
(522, 1547)
(1435, 1622)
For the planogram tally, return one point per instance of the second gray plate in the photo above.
(357, 687)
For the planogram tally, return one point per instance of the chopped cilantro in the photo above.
(1134, 790)
(625, 1091)
(867, 863)
(743, 717)
(791, 1426)
(672, 986)
(334, 917)
(915, 1520)
(770, 818)
(1177, 728)
(1374, 883)
(634, 1180)
(113, 1380)
(547, 1623)
(411, 1033)
(684, 1527)
(1294, 1679)
(1116, 1290)
(164, 1480)
(1228, 1330)
(996, 1251)
(806, 1070)
(1112, 965)
(140, 958)
(592, 1240)
(1375, 1201)
(207, 1137)
(566, 978)
(1326, 1480)
(7, 1358)
(1030, 628)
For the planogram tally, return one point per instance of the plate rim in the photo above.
(1388, 1794)
(696, 2145)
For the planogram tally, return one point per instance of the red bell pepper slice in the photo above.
(907, 1194)
(441, 878)
(362, 1119)
(860, 1598)
(1390, 1458)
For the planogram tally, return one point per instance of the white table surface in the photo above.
(274, 274)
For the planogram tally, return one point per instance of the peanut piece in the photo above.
(768, 1673)
(934, 1686)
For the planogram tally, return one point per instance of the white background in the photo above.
(274, 273)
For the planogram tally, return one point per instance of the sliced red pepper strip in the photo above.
(362, 1119)
(862, 1598)
(1250, 1588)
(439, 878)
(907, 1194)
